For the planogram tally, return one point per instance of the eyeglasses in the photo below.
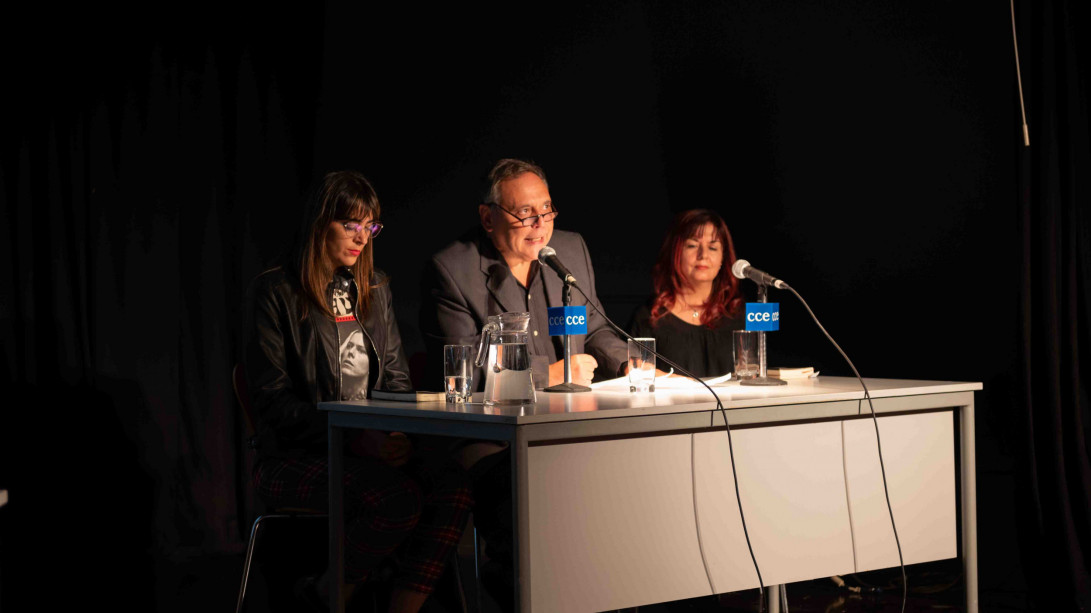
(371, 228)
(529, 221)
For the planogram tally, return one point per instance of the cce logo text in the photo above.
(766, 316)
(570, 320)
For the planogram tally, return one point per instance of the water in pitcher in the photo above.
(508, 381)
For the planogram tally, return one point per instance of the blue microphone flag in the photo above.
(763, 316)
(571, 320)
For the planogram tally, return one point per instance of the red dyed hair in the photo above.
(725, 298)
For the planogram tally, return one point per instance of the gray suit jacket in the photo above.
(468, 280)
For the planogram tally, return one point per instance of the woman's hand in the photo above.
(393, 448)
(396, 449)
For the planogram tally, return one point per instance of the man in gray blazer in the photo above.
(494, 269)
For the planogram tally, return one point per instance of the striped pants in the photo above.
(416, 512)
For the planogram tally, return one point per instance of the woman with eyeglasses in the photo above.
(697, 303)
(322, 329)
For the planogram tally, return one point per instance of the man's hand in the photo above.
(583, 370)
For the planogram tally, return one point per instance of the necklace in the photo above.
(696, 311)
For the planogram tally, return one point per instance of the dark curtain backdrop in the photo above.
(150, 161)
(1055, 304)
(868, 152)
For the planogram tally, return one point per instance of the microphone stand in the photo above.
(568, 385)
(763, 377)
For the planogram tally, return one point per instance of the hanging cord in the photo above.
(727, 428)
(878, 442)
(1019, 78)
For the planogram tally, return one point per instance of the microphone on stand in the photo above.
(565, 320)
(548, 257)
(743, 270)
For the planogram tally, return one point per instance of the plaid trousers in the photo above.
(416, 512)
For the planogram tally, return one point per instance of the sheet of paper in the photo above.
(673, 382)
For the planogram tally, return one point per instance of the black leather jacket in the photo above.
(292, 364)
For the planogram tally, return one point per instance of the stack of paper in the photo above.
(782, 372)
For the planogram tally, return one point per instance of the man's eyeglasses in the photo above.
(371, 228)
(529, 221)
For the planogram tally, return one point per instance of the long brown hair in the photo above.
(341, 196)
(725, 299)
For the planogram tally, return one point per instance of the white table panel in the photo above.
(793, 496)
(612, 525)
(920, 470)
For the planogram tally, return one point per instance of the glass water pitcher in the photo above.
(503, 352)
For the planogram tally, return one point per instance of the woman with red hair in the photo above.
(697, 302)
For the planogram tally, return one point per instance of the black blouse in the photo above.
(705, 352)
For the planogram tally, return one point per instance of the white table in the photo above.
(628, 499)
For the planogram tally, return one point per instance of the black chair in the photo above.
(238, 381)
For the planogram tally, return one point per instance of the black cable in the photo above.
(878, 442)
(727, 428)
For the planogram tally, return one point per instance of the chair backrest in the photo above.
(238, 381)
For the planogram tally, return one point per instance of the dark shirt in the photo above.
(538, 306)
(705, 352)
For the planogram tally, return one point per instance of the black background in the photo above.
(154, 161)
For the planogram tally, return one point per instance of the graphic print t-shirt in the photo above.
(353, 350)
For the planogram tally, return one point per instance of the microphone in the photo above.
(548, 257)
(743, 270)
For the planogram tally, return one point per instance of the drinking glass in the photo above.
(458, 372)
(746, 355)
(641, 365)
